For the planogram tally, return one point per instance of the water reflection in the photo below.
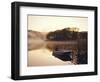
(43, 56)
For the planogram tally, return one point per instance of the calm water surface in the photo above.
(43, 56)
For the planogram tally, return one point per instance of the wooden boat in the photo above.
(64, 55)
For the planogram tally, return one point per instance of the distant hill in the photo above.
(35, 35)
(36, 39)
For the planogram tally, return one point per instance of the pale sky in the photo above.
(52, 23)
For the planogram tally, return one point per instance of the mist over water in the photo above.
(42, 55)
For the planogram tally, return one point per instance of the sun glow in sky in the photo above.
(52, 23)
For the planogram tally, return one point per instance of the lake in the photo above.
(42, 56)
